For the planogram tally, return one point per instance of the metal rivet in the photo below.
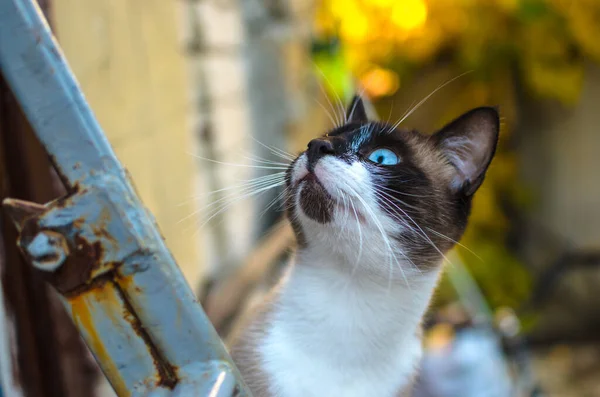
(48, 250)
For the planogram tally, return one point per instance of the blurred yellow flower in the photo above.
(439, 337)
(354, 27)
(384, 3)
(409, 14)
(379, 82)
(547, 38)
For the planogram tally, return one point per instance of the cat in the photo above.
(374, 208)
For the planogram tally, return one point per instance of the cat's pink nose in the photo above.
(317, 148)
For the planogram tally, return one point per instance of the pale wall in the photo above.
(127, 58)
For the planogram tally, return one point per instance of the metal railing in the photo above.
(98, 246)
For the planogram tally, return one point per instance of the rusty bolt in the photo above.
(48, 250)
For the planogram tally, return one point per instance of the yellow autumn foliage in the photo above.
(547, 39)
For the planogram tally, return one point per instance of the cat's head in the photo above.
(389, 198)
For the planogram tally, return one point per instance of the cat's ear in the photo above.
(356, 112)
(469, 143)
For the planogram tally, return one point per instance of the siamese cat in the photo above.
(375, 208)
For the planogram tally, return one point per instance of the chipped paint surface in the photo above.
(83, 318)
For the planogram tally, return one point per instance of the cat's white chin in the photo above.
(299, 170)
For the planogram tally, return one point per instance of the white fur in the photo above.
(347, 317)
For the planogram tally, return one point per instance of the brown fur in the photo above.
(244, 350)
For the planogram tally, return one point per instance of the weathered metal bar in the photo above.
(98, 246)
(34, 66)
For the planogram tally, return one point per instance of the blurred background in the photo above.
(199, 97)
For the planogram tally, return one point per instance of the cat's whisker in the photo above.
(251, 155)
(239, 165)
(379, 190)
(455, 242)
(251, 194)
(272, 203)
(261, 160)
(225, 206)
(280, 174)
(276, 151)
(381, 231)
(410, 107)
(391, 200)
(265, 179)
(422, 101)
(390, 112)
(347, 200)
(341, 117)
(334, 123)
(400, 217)
(360, 237)
(412, 104)
(248, 188)
(386, 241)
(340, 235)
(392, 126)
(345, 220)
(346, 210)
(231, 192)
(250, 182)
(422, 232)
(404, 193)
(401, 220)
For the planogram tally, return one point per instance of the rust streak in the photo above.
(167, 373)
(77, 269)
(83, 318)
(96, 283)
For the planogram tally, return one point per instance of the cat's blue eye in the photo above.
(384, 157)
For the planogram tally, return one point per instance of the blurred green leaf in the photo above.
(530, 10)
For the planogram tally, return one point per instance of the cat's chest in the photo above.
(344, 345)
(328, 335)
(337, 364)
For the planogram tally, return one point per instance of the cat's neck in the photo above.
(319, 293)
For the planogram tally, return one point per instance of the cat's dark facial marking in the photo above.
(405, 191)
(314, 200)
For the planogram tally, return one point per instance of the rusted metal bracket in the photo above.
(98, 246)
